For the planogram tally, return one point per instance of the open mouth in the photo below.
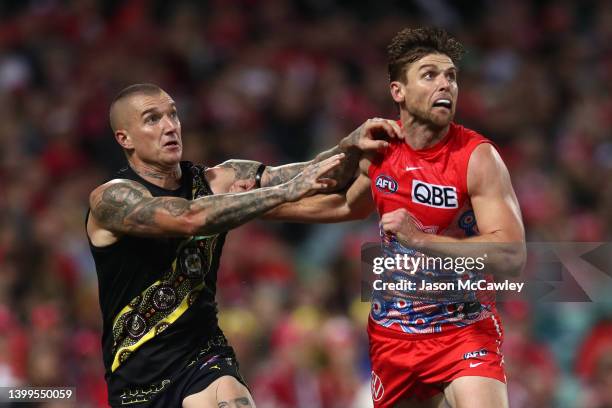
(172, 144)
(443, 103)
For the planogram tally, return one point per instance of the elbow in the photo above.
(191, 224)
(514, 260)
(520, 260)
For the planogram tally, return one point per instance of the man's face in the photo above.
(429, 90)
(152, 129)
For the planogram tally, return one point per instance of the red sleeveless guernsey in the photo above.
(431, 184)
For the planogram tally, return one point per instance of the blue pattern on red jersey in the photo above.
(421, 311)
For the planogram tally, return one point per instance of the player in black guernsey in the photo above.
(156, 231)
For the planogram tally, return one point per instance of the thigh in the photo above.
(476, 392)
(224, 392)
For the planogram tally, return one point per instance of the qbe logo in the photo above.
(377, 387)
(386, 184)
(434, 195)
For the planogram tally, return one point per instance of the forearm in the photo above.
(503, 255)
(342, 174)
(127, 207)
(219, 213)
(274, 176)
(320, 208)
(352, 204)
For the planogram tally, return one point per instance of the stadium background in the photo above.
(278, 81)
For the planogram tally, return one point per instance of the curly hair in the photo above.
(412, 44)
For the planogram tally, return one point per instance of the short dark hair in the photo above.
(146, 89)
(412, 44)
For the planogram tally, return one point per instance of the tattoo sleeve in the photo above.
(274, 176)
(243, 169)
(127, 207)
(223, 212)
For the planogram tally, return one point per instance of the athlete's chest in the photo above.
(432, 189)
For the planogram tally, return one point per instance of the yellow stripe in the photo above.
(171, 318)
(129, 308)
(182, 308)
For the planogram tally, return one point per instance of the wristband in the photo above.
(258, 174)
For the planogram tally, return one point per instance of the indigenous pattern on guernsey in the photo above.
(162, 303)
(431, 184)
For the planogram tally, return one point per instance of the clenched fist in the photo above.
(401, 224)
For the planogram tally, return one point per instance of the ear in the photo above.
(397, 91)
(123, 138)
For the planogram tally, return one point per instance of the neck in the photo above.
(164, 177)
(420, 134)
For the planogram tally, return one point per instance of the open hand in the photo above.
(312, 178)
(372, 135)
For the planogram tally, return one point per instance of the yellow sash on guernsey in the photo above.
(162, 303)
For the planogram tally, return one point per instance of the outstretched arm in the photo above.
(125, 207)
(354, 203)
(366, 138)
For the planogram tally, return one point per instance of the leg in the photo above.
(476, 392)
(224, 392)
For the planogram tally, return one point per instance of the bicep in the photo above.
(493, 199)
(126, 207)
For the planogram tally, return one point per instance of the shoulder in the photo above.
(117, 191)
(466, 136)
(467, 143)
(485, 167)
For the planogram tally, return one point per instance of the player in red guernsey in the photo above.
(440, 184)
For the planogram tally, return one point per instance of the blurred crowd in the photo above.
(278, 81)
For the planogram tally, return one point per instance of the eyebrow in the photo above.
(172, 105)
(148, 111)
(436, 67)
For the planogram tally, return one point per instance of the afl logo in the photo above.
(377, 387)
(386, 184)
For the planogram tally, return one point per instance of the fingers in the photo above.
(328, 164)
(327, 182)
(379, 127)
(368, 145)
(392, 222)
(396, 127)
(324, 185)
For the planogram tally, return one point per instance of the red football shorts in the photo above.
(417, 366)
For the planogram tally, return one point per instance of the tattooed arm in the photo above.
(126, 207)
(366, 138)
(353, 203)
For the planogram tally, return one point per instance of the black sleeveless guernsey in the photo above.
(157, 297)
